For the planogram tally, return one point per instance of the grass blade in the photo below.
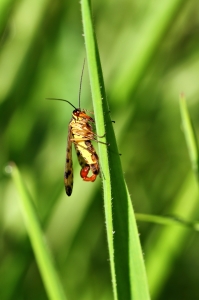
(168, 220)
(52, 284)
(160, 17)
(190, 137)
(165, 246)
(126, 260)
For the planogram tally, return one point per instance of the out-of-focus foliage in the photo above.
(42, 52)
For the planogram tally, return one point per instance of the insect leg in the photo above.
(86, 139)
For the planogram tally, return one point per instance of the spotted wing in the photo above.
(68, 174)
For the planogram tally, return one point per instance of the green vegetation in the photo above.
(149, 56)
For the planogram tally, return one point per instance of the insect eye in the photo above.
(76, 112)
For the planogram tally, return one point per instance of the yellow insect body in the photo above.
(89, 155)
(81, 133)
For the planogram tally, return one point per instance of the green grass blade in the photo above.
(152, 31)
(166, 245)
(167, 220)
(190, 137)
(52, 284)
(126, 260)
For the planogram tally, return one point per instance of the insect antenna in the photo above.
(80, 86)
(61, 100)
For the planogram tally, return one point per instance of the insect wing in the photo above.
(68, 174)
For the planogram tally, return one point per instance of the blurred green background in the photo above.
(149, 53)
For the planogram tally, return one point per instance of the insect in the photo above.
(80, 133)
